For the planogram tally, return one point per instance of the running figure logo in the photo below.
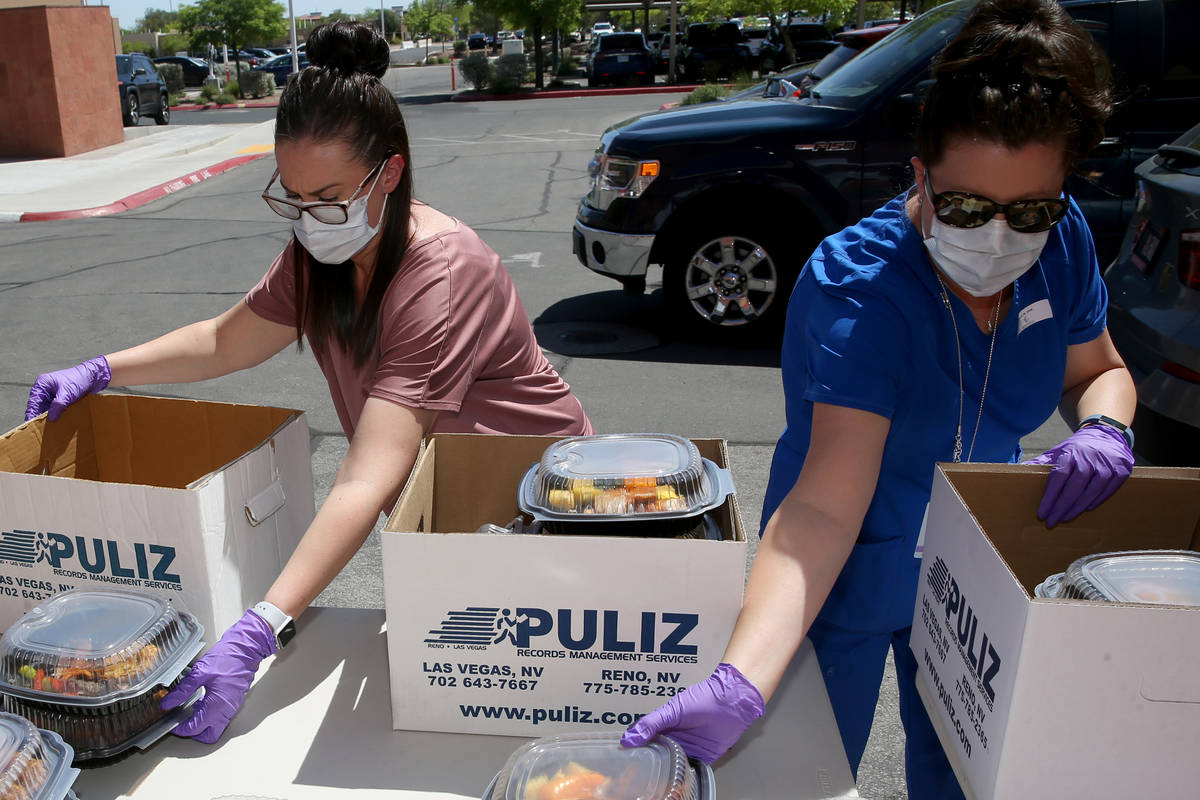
(507, 626)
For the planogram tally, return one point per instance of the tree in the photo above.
(391, 20)
(232, 23)
(156, 20)
(535, 16)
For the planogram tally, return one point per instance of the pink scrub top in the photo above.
(453, 338)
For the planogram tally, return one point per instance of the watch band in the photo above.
(283, 625)
(1116, 424)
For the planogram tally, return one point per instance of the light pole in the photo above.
(292, 19)
(382, 24)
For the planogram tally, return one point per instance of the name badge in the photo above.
(1033, 313)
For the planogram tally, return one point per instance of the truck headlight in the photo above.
(620, 177)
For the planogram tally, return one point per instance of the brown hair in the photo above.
(340, 98)
(1019, 71)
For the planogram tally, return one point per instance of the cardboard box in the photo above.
(1036, 697)
(555, 632)
(199, 502)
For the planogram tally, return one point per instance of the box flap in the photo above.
(150, 441)
(1156, 507)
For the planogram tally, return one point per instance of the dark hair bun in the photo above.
(348, 48)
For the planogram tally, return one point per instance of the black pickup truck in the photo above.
(732, 198)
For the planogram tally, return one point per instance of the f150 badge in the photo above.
(827, 147)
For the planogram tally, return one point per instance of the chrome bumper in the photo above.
(620, 255)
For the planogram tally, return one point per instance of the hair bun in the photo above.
(348, 48)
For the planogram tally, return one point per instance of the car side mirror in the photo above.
(139, 71)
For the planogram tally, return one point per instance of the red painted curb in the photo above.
(144, 196)
(538, 95)
(211, 106)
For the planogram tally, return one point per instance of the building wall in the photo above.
(58, 76)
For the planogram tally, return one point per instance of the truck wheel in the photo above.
(163, 116)
(131, 115)
(732, 287)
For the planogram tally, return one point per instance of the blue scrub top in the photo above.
(867, 329)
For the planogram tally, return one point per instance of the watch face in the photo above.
(286, 633)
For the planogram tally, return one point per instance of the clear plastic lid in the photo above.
(34, 764)
(1164, 577)
(92, 647)
(594, 766)
(1049, 587)
(622, 476)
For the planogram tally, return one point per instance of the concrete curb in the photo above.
(214, 106)
(139, 198)
(549, 93)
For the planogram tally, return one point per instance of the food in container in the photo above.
(92, 665)
(1164, 577)
(34, 764)
(658, 479)
(594, 766)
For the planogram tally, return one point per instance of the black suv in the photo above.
(731, 198)
(715, 50)
(142, 89)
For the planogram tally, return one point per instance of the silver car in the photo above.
(1154, 303)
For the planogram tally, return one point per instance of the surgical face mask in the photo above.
(985, 259)
(334, 244)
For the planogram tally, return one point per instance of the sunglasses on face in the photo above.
(331, 213)
(966, 210)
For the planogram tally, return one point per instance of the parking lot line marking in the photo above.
(256, 148)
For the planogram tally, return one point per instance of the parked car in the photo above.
(195, 70)
(715, 51)
(142, 90)
(811, 41)
(619, 57)
(600, 28)
(281, 67)
(754, 39)
(1154, 303)
(243, 56)
(730, 198)
(662, 56)
(477, 41)
(261, 53)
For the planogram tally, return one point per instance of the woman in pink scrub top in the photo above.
(412, 318)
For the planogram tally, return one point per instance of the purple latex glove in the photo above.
(225, 672)
(706, 718)
(54, 391)
(1089, 466)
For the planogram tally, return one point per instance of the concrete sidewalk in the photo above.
(150, 163)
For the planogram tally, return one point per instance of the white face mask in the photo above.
(986, 259)
(334, 244)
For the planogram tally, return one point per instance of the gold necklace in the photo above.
(993, 324)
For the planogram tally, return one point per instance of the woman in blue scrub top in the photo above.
(944, 327)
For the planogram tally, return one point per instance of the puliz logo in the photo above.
(573, 629)
(93, 555)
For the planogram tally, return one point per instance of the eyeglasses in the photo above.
(966, 210)
(334, 213)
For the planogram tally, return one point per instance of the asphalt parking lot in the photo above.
(514, 171)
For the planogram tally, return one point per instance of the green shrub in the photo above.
(176, 98)
(511, 68)
(704, 94)
(259, 84)
(135, 47)
(172, 75)
(234, 88)
(209, 92)
(476, 70)
(567, 67)
(460, 48)
(225, 99)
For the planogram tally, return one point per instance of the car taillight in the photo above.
(1189, 259)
